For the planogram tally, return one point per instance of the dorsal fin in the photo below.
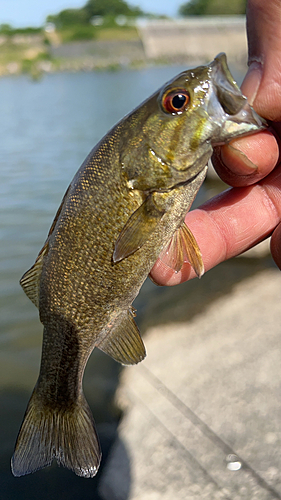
(123, 341)
(58, 213)
(30, 281)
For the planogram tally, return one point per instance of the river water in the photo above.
(47, 128)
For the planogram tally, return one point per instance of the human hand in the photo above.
(249, 212)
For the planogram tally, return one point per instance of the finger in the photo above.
(228, 225)
(243, 162)
(262, 86)
(264, 41)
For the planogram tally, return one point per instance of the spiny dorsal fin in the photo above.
(30, 281)
(58, 213)
(137, 230)
(123, 341)
(183, 247)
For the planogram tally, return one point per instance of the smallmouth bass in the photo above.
(125, 206)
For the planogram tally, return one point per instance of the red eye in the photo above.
(175, 101)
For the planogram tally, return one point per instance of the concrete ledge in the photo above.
(202, 412)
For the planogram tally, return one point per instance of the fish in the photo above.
(123, 209)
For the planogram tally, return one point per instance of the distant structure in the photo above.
(196, 38)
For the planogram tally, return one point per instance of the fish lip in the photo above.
(260, 120)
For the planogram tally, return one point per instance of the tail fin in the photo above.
(68, 435)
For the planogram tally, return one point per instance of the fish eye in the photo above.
(175, 101)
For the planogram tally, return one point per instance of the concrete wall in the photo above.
(195, 37)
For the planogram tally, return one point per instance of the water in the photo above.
(47, 128)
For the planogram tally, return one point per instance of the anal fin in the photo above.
(183, 247)
(123, 341)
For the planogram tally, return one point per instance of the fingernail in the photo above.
(252, 80)
(243, 165)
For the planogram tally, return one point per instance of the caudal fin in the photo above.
(67, 435)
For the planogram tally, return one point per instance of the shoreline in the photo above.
(38, 71)
(168, 42)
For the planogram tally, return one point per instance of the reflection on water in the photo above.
(47, 128)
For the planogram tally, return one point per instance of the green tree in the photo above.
(110, 8)
(78, 17)
(68, 17)
(213, 7)
(193, 8)
(6, 29)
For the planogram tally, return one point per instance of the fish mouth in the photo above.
(228, 93)
(228, 106)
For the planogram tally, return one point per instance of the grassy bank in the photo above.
(40, 52)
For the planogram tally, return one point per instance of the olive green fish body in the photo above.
(78, 263)
(125, 205)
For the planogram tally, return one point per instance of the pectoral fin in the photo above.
(137, 230)
(30, 281)
(183, 247)
(123, 341)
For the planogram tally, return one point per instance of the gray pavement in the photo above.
(202, 413)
